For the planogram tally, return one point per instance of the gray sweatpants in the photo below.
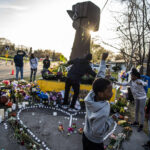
(140, 108)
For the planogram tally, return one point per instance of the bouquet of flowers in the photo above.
(124, 75)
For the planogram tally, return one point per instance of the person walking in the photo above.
(33, 65)
(18, 59)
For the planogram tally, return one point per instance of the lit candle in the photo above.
(54, 113)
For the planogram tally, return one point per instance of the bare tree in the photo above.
(133, 30)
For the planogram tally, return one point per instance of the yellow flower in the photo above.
(122, 110)
(81, 100)
(8, 94)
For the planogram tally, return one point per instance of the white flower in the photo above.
(34, 146)
(21, 129)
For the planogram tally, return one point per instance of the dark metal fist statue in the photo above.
(86, 17)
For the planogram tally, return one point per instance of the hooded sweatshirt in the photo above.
(137, 90)
(33, 63)
(18, 59)
(97, 120)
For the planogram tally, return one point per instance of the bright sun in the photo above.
(91, 32)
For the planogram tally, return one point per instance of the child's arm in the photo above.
(102, 66)
(142, 83)
(24, 54)
(123, 84)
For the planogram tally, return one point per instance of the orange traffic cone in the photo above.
(12, 72)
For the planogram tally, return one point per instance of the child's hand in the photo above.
(139, 83)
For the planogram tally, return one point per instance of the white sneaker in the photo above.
(64, 106)
(72, 110)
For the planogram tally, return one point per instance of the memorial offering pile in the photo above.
(20, 93)
(17, 96)
(120, 105)
(59, 73)
(56, 73)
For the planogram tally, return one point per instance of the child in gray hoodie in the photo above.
(139, 94)
(97, 120)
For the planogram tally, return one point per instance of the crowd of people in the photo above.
(97, 119)
(33, 60)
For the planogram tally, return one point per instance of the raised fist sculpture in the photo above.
(86, 17)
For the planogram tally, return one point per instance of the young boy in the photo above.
(97, 120)
(139, 94)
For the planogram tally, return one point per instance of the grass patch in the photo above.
(3, 58)
(115, 74)
(148, 94)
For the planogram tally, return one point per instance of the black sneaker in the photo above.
(146, 145)
(135, 123)
(140, 128)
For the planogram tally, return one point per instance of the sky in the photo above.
(45, 24)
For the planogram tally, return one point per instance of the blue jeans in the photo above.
(19, 69)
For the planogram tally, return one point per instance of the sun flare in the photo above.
(91, 32)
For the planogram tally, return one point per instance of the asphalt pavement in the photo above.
(6, 70)
(44, 125)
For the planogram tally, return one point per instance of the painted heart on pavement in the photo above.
(42, 125)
